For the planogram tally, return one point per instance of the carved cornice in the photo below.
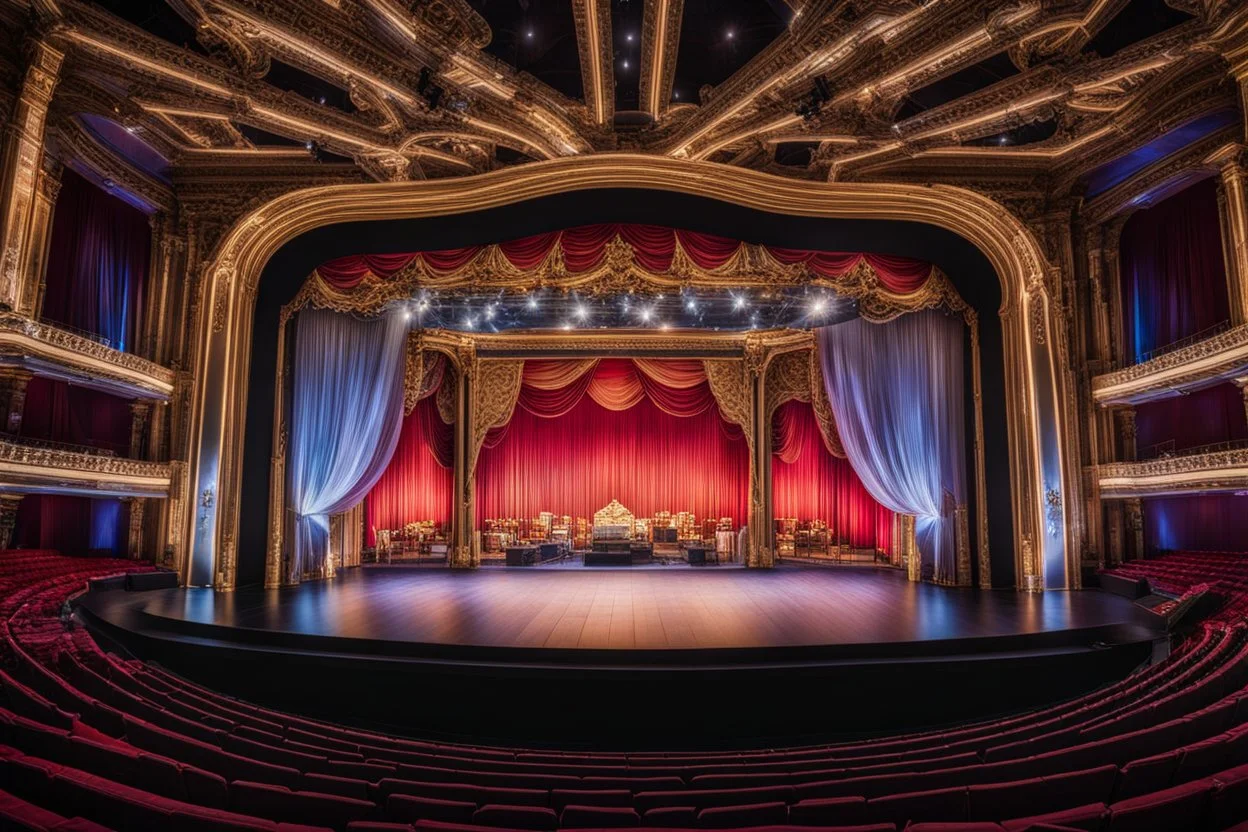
(27, 468)
(77, 148)
(1219, 471)
(54, 351)
(1220, 357)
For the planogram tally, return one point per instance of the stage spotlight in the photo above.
(626, 63)
(529, 34)
(738, 302)
(582, 311)
(646, 314)
(407, 314)
(731, 34)
(532, 302)
(566, 325)
(691, 306)
(818, 306)
(629, 37)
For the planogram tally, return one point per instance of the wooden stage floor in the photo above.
(641, 609)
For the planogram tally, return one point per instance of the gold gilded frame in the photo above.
(1042, 453)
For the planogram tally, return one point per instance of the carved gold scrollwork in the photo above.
(788, 378)
(495, 391)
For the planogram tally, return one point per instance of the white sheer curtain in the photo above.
(347, 413)
(896, 391)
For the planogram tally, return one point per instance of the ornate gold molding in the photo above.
(33, 468)
(76, 355)
(1033, 391)
(1220, 357)
(1198, 473)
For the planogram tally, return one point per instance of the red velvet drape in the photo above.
(97, 263)
(1204, 522)
(65, 412)
(808, 483)
(1173, 272)
(1215, 414)
(646, 458)
(419, 482)
(654, 246)
(71, 524)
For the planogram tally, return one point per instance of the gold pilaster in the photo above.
(910, 549)
(134, 537)
(1127, 433)
(140, 413)
(8, 518)
(1233, 206)
(47, 188)
(1114, 524)
(20, 168)
(1134, 510)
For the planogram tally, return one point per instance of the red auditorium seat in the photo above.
(124, 744)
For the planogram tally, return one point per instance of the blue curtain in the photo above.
(896, 392)
(347, 414)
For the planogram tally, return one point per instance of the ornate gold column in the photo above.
(47, 188)
(13, 382)
(459, 553)
(1233, 204)
(134, 538)
(20, 167)
(760, 522)
(1126, 432)
(140, 412)
(910, 549)
(1114, 522)
(1242, 384)
(8, 518)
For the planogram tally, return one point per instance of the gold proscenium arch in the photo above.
(1043, 463)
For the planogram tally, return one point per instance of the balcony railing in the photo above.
(1195, 337)
(81, 333)
(1167, 449)
(54, 445)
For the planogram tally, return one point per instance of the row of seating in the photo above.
(127, 745)
(1176, 573)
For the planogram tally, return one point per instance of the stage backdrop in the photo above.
(419, 483)
(646, 433)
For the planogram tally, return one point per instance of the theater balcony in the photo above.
(47, 349)
(1205, 359)
(1207, 469)
(39, 466)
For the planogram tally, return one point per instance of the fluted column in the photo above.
(1233, 206)
(20, 167)
(13, 381)
(8, 518)
(47, 189)
(459, 555)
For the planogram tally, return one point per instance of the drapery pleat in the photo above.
(64, 412)
(808, 483)
(896, 392)
(552, 388)
(418, 483)
(1200, 522)
(71, 524)
(654, 248)
(646, 458)
(1203, 417)
(347, 415)
(1173, 272)
(97, 263)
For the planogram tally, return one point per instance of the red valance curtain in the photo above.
(419, 482)
(654, 247)
(808, 483)
(63, 412)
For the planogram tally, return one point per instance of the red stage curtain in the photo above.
(553, 388)
(70, 524)
(1173, 273)
(1215, 414)
(808, 483)
(97, 263)
(654, 247)
(647, 459)
(63, 412)
(418, 484)
(1204, 522)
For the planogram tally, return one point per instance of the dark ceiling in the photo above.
(538, 37)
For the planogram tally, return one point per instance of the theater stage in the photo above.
(626, 654)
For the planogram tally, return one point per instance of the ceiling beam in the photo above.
(660, 41)
(593, 39)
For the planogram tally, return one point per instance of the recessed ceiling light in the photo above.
(626, 63)
(732, 33)
(529, 34)
(629, 37)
